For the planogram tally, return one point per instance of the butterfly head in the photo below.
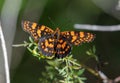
(57, 30)
(57, 33)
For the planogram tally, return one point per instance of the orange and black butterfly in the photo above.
(55, 43)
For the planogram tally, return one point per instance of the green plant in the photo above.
(64, 70)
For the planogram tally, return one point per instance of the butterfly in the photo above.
(55, 43)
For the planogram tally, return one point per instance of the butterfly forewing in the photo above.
(35, 30)
(76, 38)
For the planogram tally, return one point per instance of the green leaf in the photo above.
(81, 71)
(51, 62)
(29, 49)
(88, 53)
(31, 40)
(75, 67)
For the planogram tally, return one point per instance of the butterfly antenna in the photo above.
(53, 23)
(66, 24)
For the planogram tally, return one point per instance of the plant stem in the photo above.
(92, 71)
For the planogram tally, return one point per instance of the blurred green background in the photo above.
(64, 14)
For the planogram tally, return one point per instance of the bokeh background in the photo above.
(24, 68)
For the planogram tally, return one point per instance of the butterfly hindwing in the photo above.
(63, 48)
(49, 46)
(46, 46)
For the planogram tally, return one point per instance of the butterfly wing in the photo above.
(76, 38)
(62, 48)
(49, 47)
(35, 30)
(46, 46)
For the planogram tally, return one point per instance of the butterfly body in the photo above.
(55, 43)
